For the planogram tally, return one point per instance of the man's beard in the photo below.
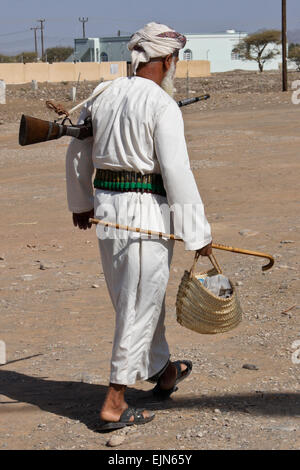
(167, 83)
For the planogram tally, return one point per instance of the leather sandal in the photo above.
(162, 394)
(125, 420)
(155, 378)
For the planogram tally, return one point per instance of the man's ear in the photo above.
(167, 62)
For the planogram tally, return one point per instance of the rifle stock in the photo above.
(34, 131)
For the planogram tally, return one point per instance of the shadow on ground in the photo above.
(82, 401)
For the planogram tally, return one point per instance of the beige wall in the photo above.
(61, 71)
(69, 72)
(87, 70)
(34, 71)
(195, 68)
(12, 73)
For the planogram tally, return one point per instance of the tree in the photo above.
(58, 54)
(6, 59)
(294, 54)
(22, 57)
(26, 57)
(259, 47)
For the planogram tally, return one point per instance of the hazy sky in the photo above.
(106, 18)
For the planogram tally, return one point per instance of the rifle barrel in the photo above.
(188, 101)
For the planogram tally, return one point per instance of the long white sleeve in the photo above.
(183, 196)
(79, 172)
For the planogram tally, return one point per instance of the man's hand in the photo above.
(82, 220)
(206, 250)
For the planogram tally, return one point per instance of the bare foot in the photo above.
(112, 414)
(114, 404)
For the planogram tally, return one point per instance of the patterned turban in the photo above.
(154, 40)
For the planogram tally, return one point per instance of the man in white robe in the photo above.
(138, 128)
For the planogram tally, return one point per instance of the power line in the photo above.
(57, 38)
(16, 32)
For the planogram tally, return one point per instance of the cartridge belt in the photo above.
(129, 181)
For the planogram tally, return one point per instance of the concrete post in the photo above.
(34, 85)
(2, 353)
(73, 93)
(2, 92)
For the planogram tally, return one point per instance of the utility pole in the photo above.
(35, 40)
(284, 48)
(83, 21)
(42, 36)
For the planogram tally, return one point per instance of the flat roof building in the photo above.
(217, 48)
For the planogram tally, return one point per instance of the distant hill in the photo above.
(294, 36)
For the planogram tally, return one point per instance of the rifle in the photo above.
(33, 130)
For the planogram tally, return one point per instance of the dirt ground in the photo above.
(58, 329)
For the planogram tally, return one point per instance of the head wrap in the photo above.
(154, 40)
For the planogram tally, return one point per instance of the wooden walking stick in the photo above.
(173, 237)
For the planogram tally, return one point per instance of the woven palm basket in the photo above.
(200, 310)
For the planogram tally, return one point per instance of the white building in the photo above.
(217, 48)
(109, 49)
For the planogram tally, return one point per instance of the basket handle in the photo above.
(215, 263)
(212, 259)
